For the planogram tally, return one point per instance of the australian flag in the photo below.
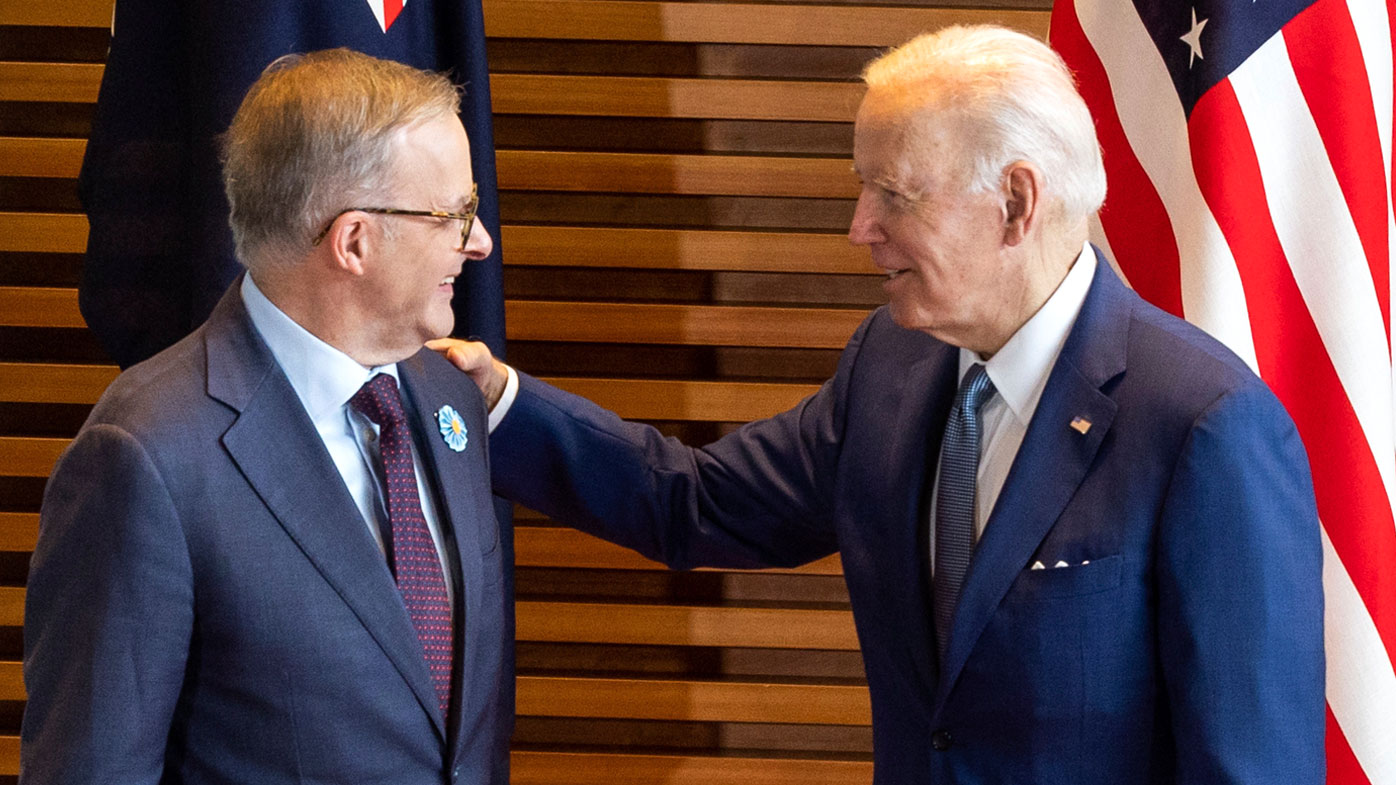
(159, 252)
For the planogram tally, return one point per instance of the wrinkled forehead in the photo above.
(904, 133)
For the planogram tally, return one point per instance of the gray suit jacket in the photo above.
(206, 604)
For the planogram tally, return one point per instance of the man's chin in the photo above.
(906, 317)
(442, 325)
(916, 319)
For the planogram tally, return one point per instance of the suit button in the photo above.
(941, 740)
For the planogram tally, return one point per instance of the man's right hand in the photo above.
(474, 358)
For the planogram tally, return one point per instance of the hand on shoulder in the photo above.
(475, 359)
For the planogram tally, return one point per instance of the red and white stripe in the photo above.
(386, 11)
(1266, 218)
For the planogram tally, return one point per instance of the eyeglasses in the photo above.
(466, 218)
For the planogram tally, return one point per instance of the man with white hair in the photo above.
(270, 555)
(1079, 535)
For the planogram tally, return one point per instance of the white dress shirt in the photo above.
(1019, 372)
(324, 379)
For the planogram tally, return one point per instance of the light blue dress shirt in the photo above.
(324, 379)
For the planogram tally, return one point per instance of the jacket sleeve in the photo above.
(760, 496)
(108, 618)
(1241, 601)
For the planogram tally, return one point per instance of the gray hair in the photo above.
(313, 136)
(1010, 98)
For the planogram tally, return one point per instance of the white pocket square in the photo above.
(1037, 565)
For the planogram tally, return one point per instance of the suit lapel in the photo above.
(1050, 465)
(280, 453)
(461, 495)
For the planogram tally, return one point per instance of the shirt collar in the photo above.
(323, 377)
(1020, 369)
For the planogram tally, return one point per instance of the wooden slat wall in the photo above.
(675, 185)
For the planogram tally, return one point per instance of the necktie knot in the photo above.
(378, 400)
(975, 390)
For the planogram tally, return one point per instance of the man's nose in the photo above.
(478, 244)
(864, 229)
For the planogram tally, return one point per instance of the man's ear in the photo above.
(348, 242)
(1022, 194)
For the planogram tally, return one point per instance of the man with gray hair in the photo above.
(270, 555)
(1079, 535)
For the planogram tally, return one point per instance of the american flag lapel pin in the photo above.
(1080, 424)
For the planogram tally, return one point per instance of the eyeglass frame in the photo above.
(467, 218)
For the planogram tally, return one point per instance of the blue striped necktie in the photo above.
(954, 513)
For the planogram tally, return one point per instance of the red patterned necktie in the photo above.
(414, 559)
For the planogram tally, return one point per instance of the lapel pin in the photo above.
(1080, 424)
(452, 428)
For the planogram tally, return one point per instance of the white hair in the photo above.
(1010, 98)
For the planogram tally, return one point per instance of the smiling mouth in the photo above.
(894, 274)
(449, 280)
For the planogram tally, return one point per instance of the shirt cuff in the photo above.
(506, 400)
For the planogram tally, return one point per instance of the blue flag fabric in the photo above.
(159, 252)
(1236, 31)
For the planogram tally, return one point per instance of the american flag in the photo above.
(1248, 149)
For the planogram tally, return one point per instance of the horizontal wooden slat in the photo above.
(24, 156)
(547, 546)
(654, 625)
(559, 246)
(534, 546)
(809, 25)
(736, 23)
(39, 306)
(546, 170)
(669, 625)
(645, 399)
(61, 82)
(71, 13)
(43, 232)
(616, 96)
(639, 96)
(545, 320)
(810, 328)
(9, 755)
(736, 175)
(530, 767)
(18, 531)
(650, 699)
(29, 456)
(53, 383)
(677, 249)
(579, 768)
(641, 399)
(11, 681)
(582, 768)
(11, 606)
(690, 701)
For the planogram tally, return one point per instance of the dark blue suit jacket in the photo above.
(206, 604)
(1188, 650)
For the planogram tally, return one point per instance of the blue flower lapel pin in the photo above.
(452, 428)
